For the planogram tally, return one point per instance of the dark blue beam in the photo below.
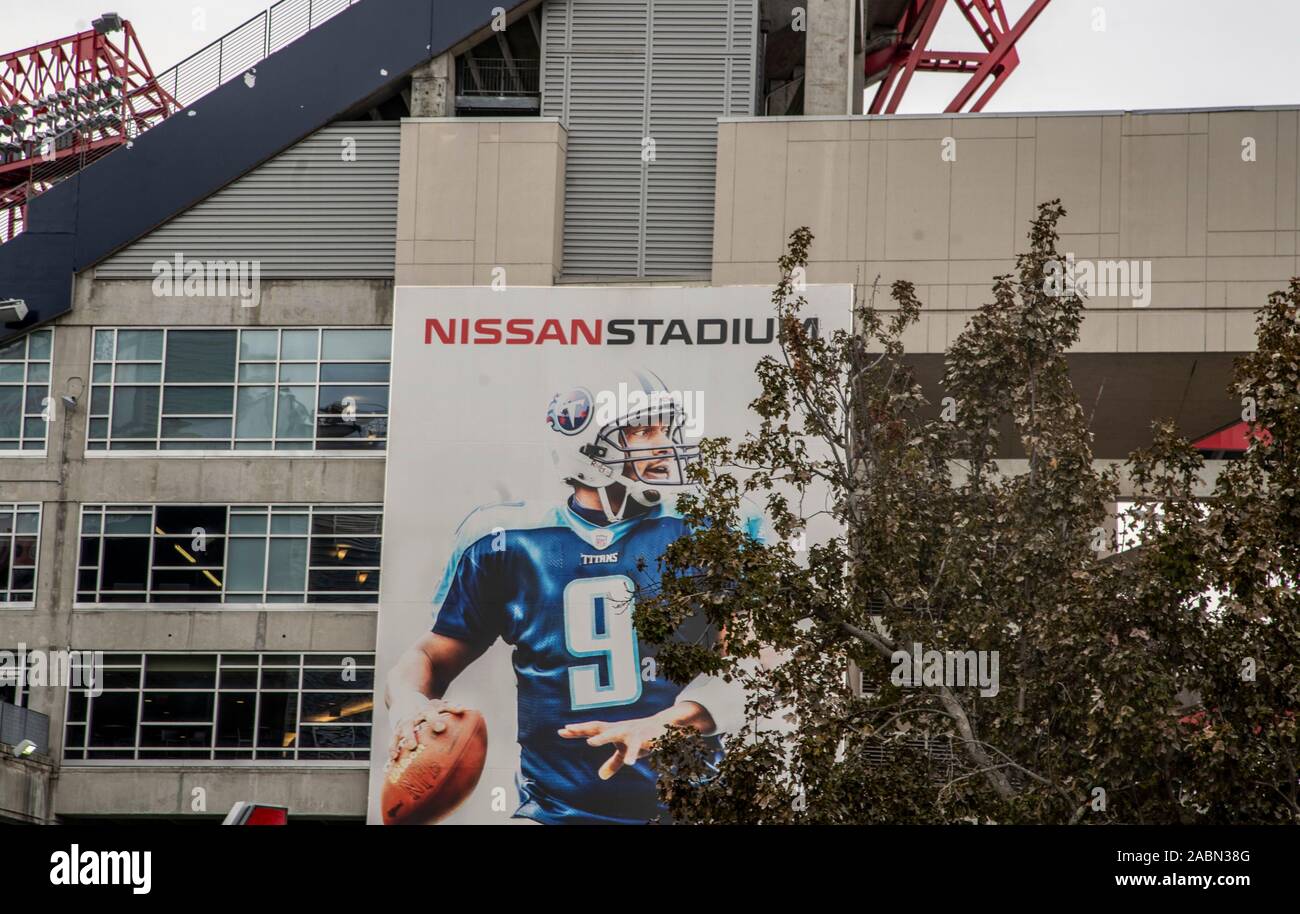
(358, 54)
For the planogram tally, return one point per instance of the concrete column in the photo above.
(833, 66)
(433, 88)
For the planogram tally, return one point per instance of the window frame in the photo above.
(309, 511)
(109, 452)
(24, 417)
(206, 757)
(16, 508)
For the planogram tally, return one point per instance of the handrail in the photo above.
(245, 46)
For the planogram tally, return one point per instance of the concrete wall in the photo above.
(833, 68)
(1169, 188)
(66, 478)
(477, 194)
(26, 789)
(170, 790)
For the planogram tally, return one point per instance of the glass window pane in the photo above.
(298, 373)
(28, 521)
(135, 412)
(182, 519)
(364, 371)
(34, 428)
(298, 345)
(255, 416)
(248, 523)
(366, 401)
(297, 418)
(287, 564)
(101, 398)
(202, 401)
(256, 373)
(126, 565)
(101, 374)
(235, 712)
(139, 345)
(246, 567)
(24, 552)
(289, 523)
(117, 524)
(201, 355)
(258, 345)
(112, 719)
(345, 552)
(38, 372)
(168, 706)
(356, 344)
(14, 350)
(190, 550)
(277, 726)
(180, 671)
(36, 397)
(196, 428)
(38, 346)
(11, 411)
(103, 345)
(184, 584)
(328, 523)
(139, 374)
(333, 678)
(327, 707)
(343, 581)
(90, 523)
(11, 371)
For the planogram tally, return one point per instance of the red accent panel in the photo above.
(1235, 437)
(267, 815)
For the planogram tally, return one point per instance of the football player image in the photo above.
(557, 584)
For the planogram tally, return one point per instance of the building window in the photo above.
(13, 681)
(285, 390)
(225, 707)
(20, 539)
(25, 391)
(233, 554)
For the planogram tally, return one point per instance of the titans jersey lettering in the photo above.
(559, 589)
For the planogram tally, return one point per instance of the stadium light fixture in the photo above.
(24, 749)
(109, 22)
(12, 310)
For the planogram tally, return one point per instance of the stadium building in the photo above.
(197, 277)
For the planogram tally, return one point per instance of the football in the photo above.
(425, 785)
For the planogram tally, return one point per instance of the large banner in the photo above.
(539, 440)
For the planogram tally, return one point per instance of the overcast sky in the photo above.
(1079, 55)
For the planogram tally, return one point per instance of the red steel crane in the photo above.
(66, 103)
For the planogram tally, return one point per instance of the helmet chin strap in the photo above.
(640, 493)
(603, 493)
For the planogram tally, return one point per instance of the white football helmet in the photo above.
(629, 433)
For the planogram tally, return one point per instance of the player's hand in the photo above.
(632, 739)
(428, 713)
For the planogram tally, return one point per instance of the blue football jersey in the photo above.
(560, 590)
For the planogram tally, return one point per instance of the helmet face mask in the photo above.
(651, 451)
(643, 450)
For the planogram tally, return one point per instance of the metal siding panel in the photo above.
(304, 214)
(695, 60)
